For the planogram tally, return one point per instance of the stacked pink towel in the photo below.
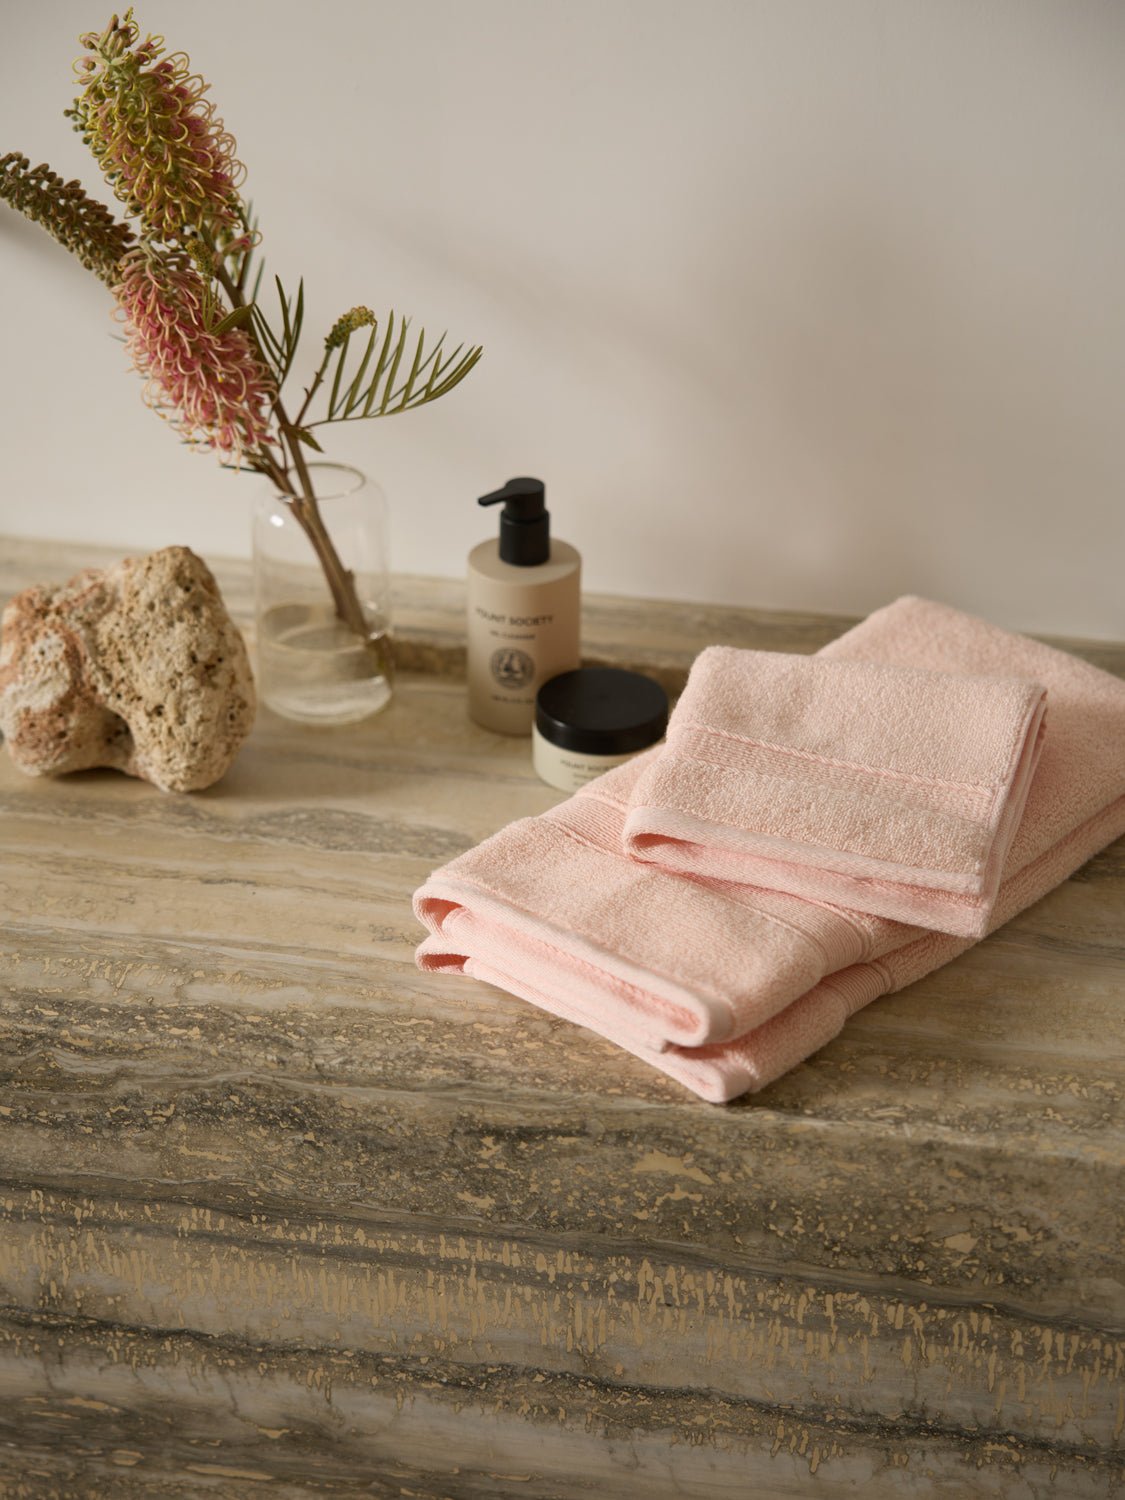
(888, 789)
(726, 986)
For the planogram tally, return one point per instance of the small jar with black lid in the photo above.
(592, 719)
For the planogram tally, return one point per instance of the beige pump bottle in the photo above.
(523, 600)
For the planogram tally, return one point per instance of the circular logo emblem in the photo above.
(512, 669)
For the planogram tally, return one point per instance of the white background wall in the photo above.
(800, 303)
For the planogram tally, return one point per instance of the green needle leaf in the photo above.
(355, 391)
(298, 316)
(413, 376)
(380, 366)
(236, 319)
(396, 361)
(270, 347)
(341, 353)
(432, 373)
(287, 331)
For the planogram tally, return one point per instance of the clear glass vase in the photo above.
(322, 599)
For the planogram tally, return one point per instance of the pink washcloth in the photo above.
(724, 986)
(890, 790)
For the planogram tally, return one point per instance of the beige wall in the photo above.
(796, 304)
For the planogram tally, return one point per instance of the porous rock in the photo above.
(137, 666)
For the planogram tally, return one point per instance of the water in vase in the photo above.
(312, 667)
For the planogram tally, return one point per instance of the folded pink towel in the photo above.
(724, 986)
(887, 789)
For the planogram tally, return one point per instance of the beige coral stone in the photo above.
(137, 666)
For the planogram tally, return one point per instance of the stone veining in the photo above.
(280, 1214)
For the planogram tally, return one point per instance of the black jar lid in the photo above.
(601, 711)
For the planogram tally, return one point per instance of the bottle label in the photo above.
(512, 669)
(522, 629)
(524, 622)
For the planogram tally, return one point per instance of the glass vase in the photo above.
(322, 599)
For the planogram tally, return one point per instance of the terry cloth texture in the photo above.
(890, 790)
(725, 986)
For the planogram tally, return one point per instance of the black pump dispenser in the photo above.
(525, 523)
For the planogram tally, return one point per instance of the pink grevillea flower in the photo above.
(158, 141)
(210, 385)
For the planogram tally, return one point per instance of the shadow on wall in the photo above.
(909, 407)
(918, 415)
(838, 407)
(822, 408)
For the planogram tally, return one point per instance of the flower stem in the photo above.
(306, 511)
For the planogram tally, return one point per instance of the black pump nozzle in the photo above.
(525, 523)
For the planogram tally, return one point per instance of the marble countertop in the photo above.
(281, 1212)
